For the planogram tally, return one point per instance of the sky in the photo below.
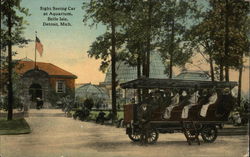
(64, 46)
(67, 46)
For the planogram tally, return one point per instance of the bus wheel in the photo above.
(153, 136)
(134, 137)
(209, 134)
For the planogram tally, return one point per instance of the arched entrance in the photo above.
(35, 91)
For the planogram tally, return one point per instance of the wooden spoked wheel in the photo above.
(152, 138)
(209, 134)
(134, 137)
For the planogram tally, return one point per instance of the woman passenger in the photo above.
(174, 102)
(192, 102)
(212, 99)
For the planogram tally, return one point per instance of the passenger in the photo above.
(183, 95)
(212, 100)
(155, 99)
(149, 97)
(227, 102)
(174, 102)
(167, 97)
(204, 97)
(158, 95)
(132, 100)
(192, 102)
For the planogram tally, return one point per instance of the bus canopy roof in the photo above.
(151, 83)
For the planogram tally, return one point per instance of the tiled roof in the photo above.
(51, 69)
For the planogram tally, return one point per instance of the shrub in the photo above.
(81, 113)
(88, 103)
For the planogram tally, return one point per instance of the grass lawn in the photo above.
(14, 127)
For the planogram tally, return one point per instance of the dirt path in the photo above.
(57, 136)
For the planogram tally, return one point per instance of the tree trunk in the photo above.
(1, 82)
(149, 38)
(227, 73)
(226, 44)
(211, 67)
(240, 80)
(0, 40)
(221, 69)
(113, 62)
(171, 49)
(144, 70)
(10, 88)
(171, 65)
(144, 65)
(139, 64)
(221, 72)
(139, 73)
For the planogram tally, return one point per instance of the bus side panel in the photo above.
(128, 113)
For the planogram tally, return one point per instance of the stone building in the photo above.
(45, 80)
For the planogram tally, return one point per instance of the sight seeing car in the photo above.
(171, 105)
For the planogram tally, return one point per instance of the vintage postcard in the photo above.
(116, 78)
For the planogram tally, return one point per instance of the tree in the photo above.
(223, 36)
(241, 40)
(174, 26)
(108, 13)
(226, 18)
(11, 18)
(220, 35)
(201, 37)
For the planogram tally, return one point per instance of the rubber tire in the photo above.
(206, 134)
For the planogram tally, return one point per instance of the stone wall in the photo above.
(39, 77)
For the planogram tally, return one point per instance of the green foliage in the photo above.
(11, 30)
(176, 28)
(65, 98)
(18, 100)
(13, 9)
(141, 25)
(81, 113)
(173, 43)
(140, 31)
(103, 12)
(243, 107)
(100, 48)
(209, 36)
(53, 97)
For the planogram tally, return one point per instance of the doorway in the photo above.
(35, 91)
